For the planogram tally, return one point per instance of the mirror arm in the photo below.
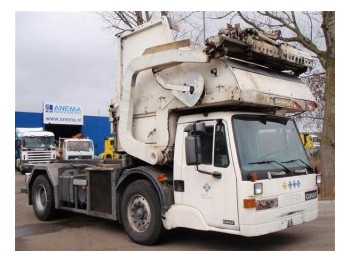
(214, 174)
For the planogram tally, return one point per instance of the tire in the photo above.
(16, 165)
(43, 199)
(140, 213)
(20, 169)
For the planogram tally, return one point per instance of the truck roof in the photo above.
(224, 115)
(77, 139)
(28, 129)
(35, 134)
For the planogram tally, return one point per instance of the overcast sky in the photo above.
(64, 57)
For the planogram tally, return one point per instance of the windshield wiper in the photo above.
(271, 161)
(295, 160)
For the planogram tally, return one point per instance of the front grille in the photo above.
(35, 157)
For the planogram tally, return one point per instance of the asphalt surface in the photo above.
(80, 232)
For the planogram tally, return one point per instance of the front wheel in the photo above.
(43, 198)
(140, 213)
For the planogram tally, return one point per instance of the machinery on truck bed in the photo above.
(203, 140)
(33, 146)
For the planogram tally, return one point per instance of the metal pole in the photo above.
(204, 27)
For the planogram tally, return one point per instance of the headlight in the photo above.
(318, 180)
(258, 188)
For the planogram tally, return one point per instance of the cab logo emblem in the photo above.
(206, 187)
(284, 185)
(49, 108)
(228, 222)
(294, 184)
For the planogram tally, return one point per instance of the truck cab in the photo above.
(33, 146)
(315, 140)
(76, 148)
(242, 172)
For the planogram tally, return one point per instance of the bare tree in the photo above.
(191, 26)
(313, 120)
(303, 28)
(191, 22)
(124, 20)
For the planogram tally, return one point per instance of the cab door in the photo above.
(211, 186)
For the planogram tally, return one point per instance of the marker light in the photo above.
(162, 178)
(258, 188)
(249, 203)
(254, 176)
(318, 183)
(318, 180)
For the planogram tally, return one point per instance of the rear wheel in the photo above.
(20, 169)
(17, 164)
(140, 212)
(43, 198)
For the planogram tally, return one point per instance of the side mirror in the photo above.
(18, 143)
(193, 148)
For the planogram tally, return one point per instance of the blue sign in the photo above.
(63, 114)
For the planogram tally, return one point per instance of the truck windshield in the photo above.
(268, 143)
(314, 139)
(38, 142)
(79, 146)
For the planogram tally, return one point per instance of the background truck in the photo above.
(311, 144)
(76, 148)
(203, 138)
(315, 140)
(33, 146)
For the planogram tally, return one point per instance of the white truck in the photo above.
(33, 146)
(203, 140)
(76, 148)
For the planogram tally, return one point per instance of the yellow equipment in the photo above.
(306, 140)
(109, 152)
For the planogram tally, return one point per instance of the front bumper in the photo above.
(278, 225)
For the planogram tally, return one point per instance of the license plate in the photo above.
(310, 195)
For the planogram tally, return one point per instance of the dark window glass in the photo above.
(221, 158)
(207, 145)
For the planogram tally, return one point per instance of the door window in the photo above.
(215, 146)
(221, 158)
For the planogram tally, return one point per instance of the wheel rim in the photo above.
(40, 197)
(139, 213)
